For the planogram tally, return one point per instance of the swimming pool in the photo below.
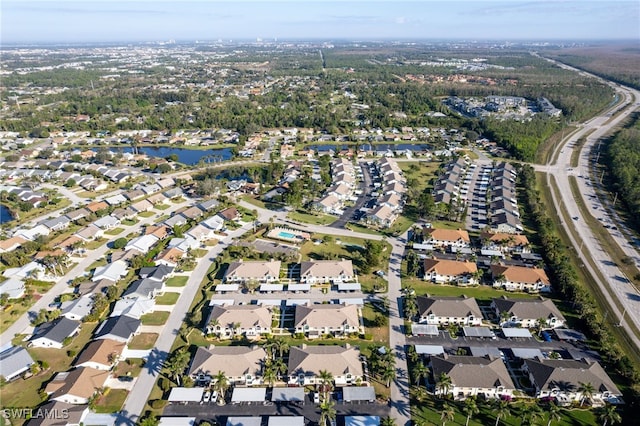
(287, 235)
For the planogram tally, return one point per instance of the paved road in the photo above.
(400, 406)
(138, 396)
(62, 285)
(621, 295)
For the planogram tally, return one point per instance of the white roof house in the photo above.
(186, 394)
(112, 271)
(14, 287)
(107, 222)
(143, 243)
(33, 233)
(134, 307)
(14, 362)
(78, 308)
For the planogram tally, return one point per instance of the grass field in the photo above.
(146, 214)
(161, 207)
(481, 292)
(169, 298)
(111, 401)
(420, 171)
(179, 281)
(314, 219)
(155, 318)
(130, 367)
(114, 231)
(143, 341)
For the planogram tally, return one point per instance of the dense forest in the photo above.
(623, 163)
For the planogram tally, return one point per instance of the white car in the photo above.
(206, 397)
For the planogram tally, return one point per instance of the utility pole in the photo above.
(601, 177)
(615, 199)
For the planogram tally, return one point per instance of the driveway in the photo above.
(364, 186)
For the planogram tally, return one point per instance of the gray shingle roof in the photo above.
(448, 306)
(56, 330)
(473, 372)
(119, 328)
(14, 361)
(566, 374)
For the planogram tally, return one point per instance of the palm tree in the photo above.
(609, 415)
(269, 374)
(540, 324)
(502, 410)
(447, 414)
(388, 374)
(280, 345)
(177, 363)
(587, 390)
(221, 384)
(470, 408)
(387, 421)
(530, 413)
(327, 378)
(443, 384)
(279, 366)
(554, 413)
(327, 413)
(420, 372)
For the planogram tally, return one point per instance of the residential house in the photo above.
(76, 386)
(208, 205)
(169, 257)
(56, 413)
(115, 200)
(100, 354)
(134, 307)
(156, 273)
(90, 233)
(450, 271)
(526, 312)
(57, 224)
(107, 222)
(242, 365)
(382, 216)
(520, 278)
(13, 362)
(447, 238)
(142, 243)
(448, 310)
(156, 199)
(253, 271)
(506, 222)
(13, 287)
(123, 214)
(471, 376)
(53, 334)
(235, 320)
(142, 206)
(145, 288)
(505, 243)
(343, 362)
(192, 213)
(326, 271)
(230, 214)
(121, 328)
(134, 194)
(201, 233)
(77, 309)
(316, 320)
(173, 193)
(563, 378)
(113, 271)
(97, 206)
(176, 219)
(328, 204)
(214, 222)
(11, 244)
(32, 233)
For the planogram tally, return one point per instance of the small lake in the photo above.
(185, 156)
(369, 147)
(5, 214)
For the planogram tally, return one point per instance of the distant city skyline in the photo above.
(25, 21)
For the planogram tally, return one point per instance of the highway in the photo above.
(621, 295)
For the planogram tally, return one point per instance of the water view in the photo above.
(185, 156)
(5, 214)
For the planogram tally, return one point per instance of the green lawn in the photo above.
(481, 292)
(155, 318)
(179, 281)
(129, 222)
(169, 298)
(97, 263)
(114, 231)
(92, 245)
(314, 219)
(161, 206)
(420, 171)
(143, 341)
(148, 214)
(428, 412)
(112, 401)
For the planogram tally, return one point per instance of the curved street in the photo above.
(621, 294)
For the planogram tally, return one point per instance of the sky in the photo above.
(26, 21)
